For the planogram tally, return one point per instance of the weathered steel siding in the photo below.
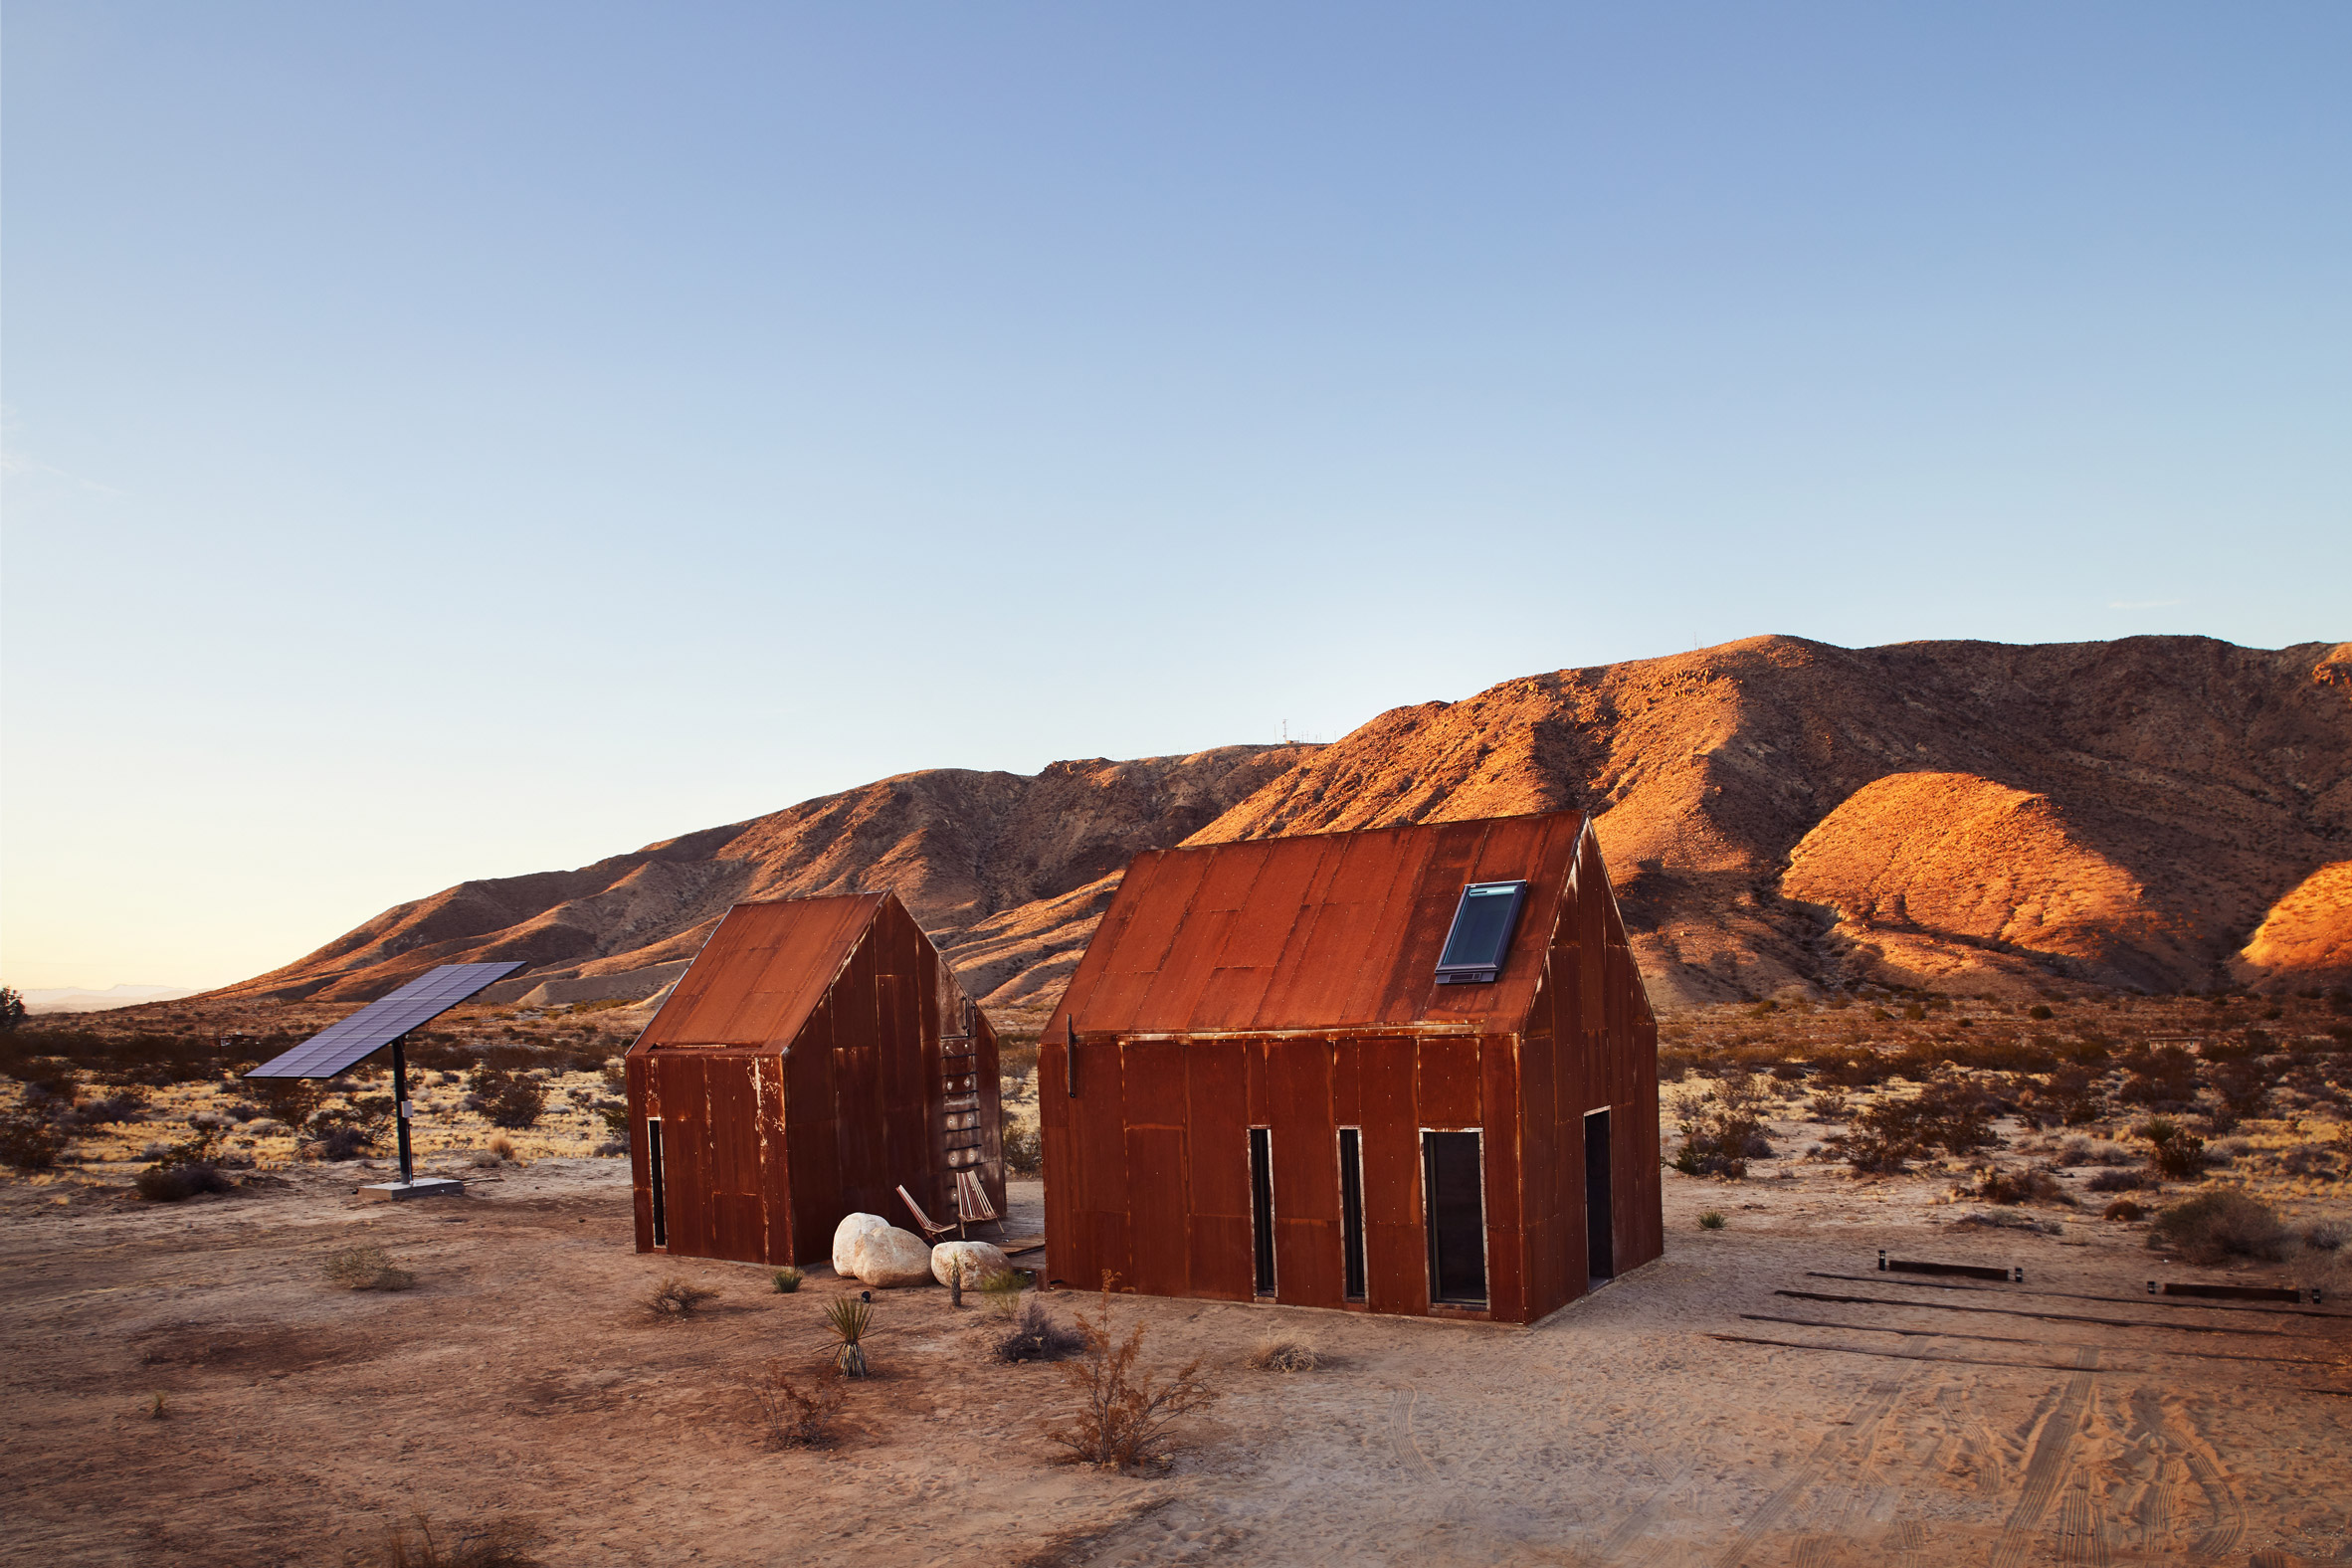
(1149, 1165)
(766, 1147)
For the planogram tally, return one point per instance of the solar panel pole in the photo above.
(408, 1174)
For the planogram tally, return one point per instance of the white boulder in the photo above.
(978, 1258)
(889, 1258)
(845, 1239)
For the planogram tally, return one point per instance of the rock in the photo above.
(845, 1239)
(889, 1258)
(978, 1258)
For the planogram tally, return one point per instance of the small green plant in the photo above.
(366, 1268)
(848, 1318)
(161, 1409)
(1001, 1291)
(678, 1298)
(787, 1280)
(1710, 1220)
(792, 1416)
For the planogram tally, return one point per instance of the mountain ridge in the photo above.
(2120, 814)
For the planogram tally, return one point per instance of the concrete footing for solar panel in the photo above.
(422, 1187)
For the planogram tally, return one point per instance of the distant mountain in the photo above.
(73, 999)
(2158, 813)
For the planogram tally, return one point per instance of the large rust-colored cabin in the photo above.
(1259, 1086)
(818, 1054)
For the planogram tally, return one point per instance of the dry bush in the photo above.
(483, 1543)
(1951, 1111)
(2011, 1220)
(366, 1268)
(797, 1415)
(2214, 1227)
(2119, 1181)
(30, 1141)
(502, 1147)
(172, 1180)
(1124, 1414)
(2124, 1208)
(2325, 1236)
(2177, 1153)
(1272, 1354)
(2025, 1186)
(1034, 1335)
(1721, 1131)
(506, 1096)
(1023, 1152)
(676, 1298)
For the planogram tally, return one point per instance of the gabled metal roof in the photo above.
(763, 971)
(1324, 932)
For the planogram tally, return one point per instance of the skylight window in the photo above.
(1481, 933)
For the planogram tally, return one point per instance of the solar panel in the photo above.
(383, 1021)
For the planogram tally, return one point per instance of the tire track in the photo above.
(1630, 1527)
(1863, 1420)
(2048, 1464)
(2228, 1517)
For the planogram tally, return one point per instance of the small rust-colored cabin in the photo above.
(817, 1055)
(1409, 1071)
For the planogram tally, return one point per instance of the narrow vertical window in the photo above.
(1453, 1201)
(653, 1165)
(1261, 1208)
(1351, 1212)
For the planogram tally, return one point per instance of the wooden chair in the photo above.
(931, 1231)
(971, 1202)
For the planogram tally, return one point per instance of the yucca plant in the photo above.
(787, 1280)
(848, 1317)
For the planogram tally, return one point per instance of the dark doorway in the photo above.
(1456, 1216)
(1261, 1207)
(1351, 1213)
(1600, 1247)
(653, 1165)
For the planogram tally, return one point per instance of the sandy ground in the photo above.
(521, 1377)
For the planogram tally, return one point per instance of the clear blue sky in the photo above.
(454, 440)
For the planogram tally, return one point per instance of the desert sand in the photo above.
(521, 1377)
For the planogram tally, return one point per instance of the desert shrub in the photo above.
(1950, 1112)
(1672, 1067)
(2038, 1011)
(172, 1181)
(1723, 1131)
(1125, 1415)
(610, 1149)
(365, 1268)
(2118, 1181)
(1001, 1291)
(676, 1298)
(483, 1543)
(112, 1109)
(2071, 1093)
(2163, 1077)
(1024, 1150)
(1851, 1069)
(787, 1280)
(291, 1100)
(1272, 1354)
(851, 1318)
(1034, 1335)
(798, 1414)
(2124, 1208)
(2325, 1236)
(2242, 1087)
(615, 1115)
(2011, 1220)
(340, 1140)
(501, 1148)
(616, 1073)
(30, 1140)
(2177, 1153)
(2216, 1225)
(1830, 1105)
(506, 1096)
(2307, 1161)
(1710, 1220)
(1999, 1185)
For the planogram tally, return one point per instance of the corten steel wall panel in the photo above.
(1217, 1169)
(643, 1102)
(1064, 1178)
(1449, 1088)
(1304, 1139)
(685, 1154)
(857, 1089)
(1396, 1254)
(812, 1139)
(1151, 1109)
(1507, 1237)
